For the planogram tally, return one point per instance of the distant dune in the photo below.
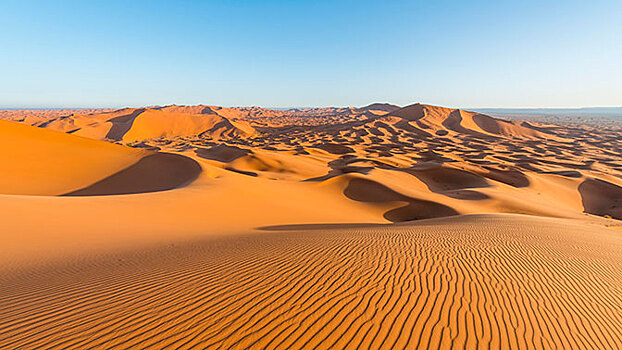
(144, 123)
(370, 227)
(443, 121)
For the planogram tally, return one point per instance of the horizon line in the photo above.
(17, 108)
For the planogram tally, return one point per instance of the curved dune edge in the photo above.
(137, 124)
(364, 190)
(153, 173)
(50, 163)
(601, 198)
(42, 162)
(492, 281)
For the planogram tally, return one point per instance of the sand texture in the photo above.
(377, 227)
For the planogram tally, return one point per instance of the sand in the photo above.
(486, 281)
(372, 227)
(43, 162)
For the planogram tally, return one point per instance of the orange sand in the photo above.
(373, 227)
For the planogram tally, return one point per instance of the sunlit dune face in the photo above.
(45, 162)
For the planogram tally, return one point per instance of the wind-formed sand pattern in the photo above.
(377, 227)
(476, 281)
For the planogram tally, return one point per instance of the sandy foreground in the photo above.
(374, 227)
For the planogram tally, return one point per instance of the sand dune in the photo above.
(344, 227)
(326, 151)
(601, 198)
(442, 120)
(474, 281)
(45, 162)
(152, 173)
(369, 191)
(154, 124)
(137, 124)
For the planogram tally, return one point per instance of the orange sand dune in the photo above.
(154, 124)
(136, 124)
(442, 120)
(245, 227)
(45, 162)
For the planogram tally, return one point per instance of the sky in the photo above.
(310, 53)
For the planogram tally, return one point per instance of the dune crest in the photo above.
(152, 173)
(46, 162)
(441, 121)
(138, 124)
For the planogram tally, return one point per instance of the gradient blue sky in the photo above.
(310, 53)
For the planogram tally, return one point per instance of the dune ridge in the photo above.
(152, 173)
(46, 162)
(137, 124)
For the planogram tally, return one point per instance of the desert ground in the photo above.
(379, 227)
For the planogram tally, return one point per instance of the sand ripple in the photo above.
(486, 281)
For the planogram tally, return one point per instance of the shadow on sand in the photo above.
(153, 173)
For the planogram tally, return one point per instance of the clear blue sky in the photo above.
(310, 53)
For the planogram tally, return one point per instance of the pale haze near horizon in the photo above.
(311, 53)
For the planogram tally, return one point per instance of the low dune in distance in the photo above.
(372, 227)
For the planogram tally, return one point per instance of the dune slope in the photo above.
(45, 162)
(152, 173)
(138, 124)
(443, 120)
